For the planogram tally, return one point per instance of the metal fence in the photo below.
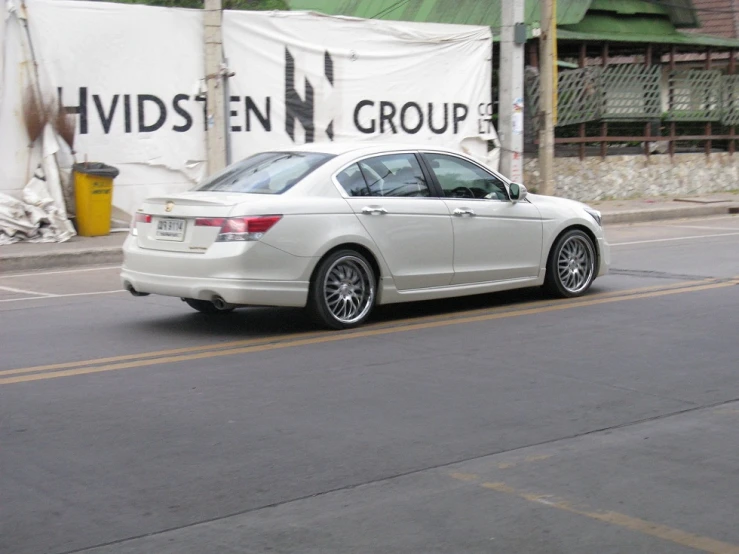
(633, 92)
(630, 92)
(730, 100)
(695, 95)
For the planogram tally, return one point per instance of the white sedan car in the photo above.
(340, 229)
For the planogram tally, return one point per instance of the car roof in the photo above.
(345, 147)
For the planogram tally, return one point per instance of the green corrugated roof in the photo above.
(680, 12)
(487, 12)
(602, 26)
(639, 21)
(464, 12)
(688, 39)
(629, 7)
(602, 22)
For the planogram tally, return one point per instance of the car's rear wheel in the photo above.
(205, 307)
(343, 290)
(571, 265)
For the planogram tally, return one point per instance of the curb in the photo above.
(641, 216)
(60, 260)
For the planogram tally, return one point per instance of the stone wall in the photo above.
(620, 177)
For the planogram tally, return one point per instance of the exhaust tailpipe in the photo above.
(221, 304)
(134, 292)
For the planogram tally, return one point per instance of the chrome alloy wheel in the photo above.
(349, 289)
(576, 264)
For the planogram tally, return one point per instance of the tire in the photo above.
(205, 307)
(571, 266)
(343, 290)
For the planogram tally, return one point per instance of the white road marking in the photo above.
(671, 222)
(58, 272)
(706, 227)
(23, 291)
(716, 218)
(48, 296)
(673, 239)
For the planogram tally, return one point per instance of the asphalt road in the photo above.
(503, 423)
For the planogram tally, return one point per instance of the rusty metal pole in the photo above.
(648, 125)
(709, 127)
(581, 62)
(604, 125)
(732, 71)
(672, 103)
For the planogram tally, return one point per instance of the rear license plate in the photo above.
(171, 229)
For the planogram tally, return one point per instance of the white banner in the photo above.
(305, 77)
(134, 77)
(130, 74)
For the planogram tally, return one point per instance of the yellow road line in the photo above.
(669, 534)
(663, 532)
(294, 336)
(371, 332)
(157, 354)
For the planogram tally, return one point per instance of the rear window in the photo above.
(265, 173)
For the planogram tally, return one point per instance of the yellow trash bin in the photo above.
(93, 192)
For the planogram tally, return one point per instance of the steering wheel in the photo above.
(462, 192)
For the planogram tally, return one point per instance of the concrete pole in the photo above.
(510, 99)
(547, 44)
(215, 135)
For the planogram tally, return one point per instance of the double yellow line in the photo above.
(279, 342)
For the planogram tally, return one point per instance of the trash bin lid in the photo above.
(96, 168)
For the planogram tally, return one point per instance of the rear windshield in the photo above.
(265, 173)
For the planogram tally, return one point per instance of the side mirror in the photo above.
(518, 192)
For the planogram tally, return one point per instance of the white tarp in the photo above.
(304, 76)
(120, 69)
(133, 75)
(40, 214)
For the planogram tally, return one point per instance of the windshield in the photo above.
(265, 173)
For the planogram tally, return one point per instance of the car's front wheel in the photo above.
(571, 265)
(343, 291)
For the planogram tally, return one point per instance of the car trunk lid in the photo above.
(169, 222)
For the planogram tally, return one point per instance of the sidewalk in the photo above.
(78, 251)
(653, 209)
(85, 251)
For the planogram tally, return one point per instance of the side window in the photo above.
(352, 181)
(386, 175)
(461, 179)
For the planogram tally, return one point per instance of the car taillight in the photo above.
(139, 218)
(239, 228)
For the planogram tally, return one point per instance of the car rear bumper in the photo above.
(253, 274)
(247, 292)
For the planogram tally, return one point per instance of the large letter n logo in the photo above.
(295, 107)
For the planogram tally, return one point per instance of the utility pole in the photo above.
(510, 97)
(215, 74)
(547, 88)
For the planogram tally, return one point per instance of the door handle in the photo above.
(462, 212)
(373, 210)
